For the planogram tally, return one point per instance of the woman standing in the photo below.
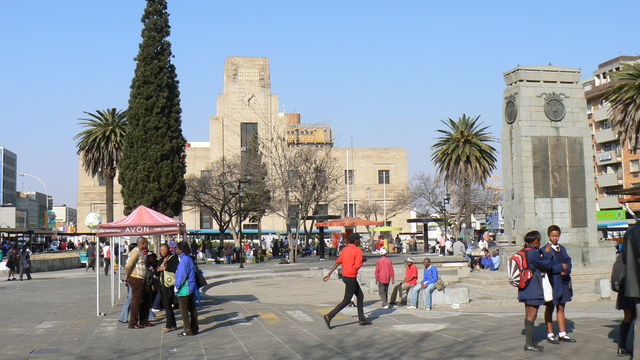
(12, 262)
(560, 277)
(167, 269)
(186, 288)
(532, 294)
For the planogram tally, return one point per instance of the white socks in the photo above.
(562, 334)
(551, 335)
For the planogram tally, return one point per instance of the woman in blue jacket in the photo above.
(532, 295)
(185, 289)
(561, 284)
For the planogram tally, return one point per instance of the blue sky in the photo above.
(382, 72)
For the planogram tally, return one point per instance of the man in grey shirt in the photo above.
(459, 248)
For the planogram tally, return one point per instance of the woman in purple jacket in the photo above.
(186, 288)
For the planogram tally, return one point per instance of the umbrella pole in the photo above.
(111, 257)
(97, 266)
(119, 264)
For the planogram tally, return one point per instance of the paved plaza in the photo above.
(53, 317)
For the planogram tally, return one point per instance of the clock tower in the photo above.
(547, 158)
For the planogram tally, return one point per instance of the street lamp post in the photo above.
(239, 193)
(445, 202)
(43, 184)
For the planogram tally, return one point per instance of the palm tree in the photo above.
(463, 155)
(624, 99)
(100, 146)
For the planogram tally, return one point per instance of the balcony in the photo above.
(608, 202)
(601, 113)
(605, 135)
(608, 157)
(606, 180)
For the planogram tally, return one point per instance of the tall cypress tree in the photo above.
(153, 163)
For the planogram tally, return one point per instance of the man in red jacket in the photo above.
(351, 260)
(384, 276)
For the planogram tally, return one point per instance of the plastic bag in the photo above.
(546, 288)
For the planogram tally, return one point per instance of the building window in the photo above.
(248, 134)
(206, 221)
(383, 177)
(634, 166)
(350, 209)
(348, 177)
(321, 209)
(249, 226)
(605, 125)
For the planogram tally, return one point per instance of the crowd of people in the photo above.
(161, 282)
(17, 258)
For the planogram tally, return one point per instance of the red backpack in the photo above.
(518, 269)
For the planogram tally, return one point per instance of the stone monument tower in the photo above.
(547, 158)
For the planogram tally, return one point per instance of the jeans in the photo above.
(415, 292)
(351, 288)
(124, 313)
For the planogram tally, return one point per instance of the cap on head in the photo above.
(410, 260)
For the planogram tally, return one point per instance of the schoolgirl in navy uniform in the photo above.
(532, 295)
(561, 284)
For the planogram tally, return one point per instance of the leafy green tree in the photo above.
(153, 164)
(464, 156)
(100, 147)
(624, 98)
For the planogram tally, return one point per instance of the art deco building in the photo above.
(247, 108)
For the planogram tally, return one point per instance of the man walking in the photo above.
(351, 260)
(459, 248)
(428, 283)
(384, 276)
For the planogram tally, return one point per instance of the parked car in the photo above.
(54, 246)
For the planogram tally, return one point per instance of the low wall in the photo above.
(42, 265)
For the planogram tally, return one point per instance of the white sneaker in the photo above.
(427, 309)
(411, 307)
(385, 307)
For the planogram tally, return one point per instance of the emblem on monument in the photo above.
(510, 109)
(553, 106)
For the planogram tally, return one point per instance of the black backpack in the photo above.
(617, 274)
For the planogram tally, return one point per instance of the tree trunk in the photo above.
(109, 176)
(467, 208)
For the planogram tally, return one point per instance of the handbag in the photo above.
(168, 279)
(200, 280)
(546, 288)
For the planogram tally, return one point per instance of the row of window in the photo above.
(383, 177)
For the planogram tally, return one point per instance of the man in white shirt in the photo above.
(106, 254)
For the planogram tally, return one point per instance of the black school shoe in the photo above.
(553, 340)
(566, 339)
(327, 321)
(534, 348)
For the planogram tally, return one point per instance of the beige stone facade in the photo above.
(247, 106)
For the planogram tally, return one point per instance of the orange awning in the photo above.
(349, 222)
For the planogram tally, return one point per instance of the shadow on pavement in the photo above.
(212, 299)
(374, 314)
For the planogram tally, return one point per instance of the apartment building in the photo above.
(615, 166)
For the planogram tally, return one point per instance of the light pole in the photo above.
(239, 193)
(43, 184)
(445, 202)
